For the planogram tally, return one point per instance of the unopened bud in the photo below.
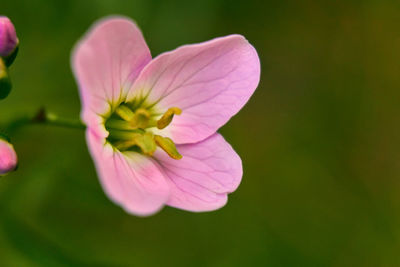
(8, 157)
(8, 37)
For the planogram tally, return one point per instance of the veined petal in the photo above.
(207, 172)
(210, 82)
(130, 179)
(106, 62)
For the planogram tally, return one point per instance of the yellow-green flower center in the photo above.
(131, 127)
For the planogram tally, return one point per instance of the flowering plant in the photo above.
(151, 124)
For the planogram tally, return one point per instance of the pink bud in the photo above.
(8, 157)
(8, 37)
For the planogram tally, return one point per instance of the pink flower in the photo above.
(8, 37)
(8, 157)
(145, 156)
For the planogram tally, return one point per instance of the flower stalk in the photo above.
(45, 118)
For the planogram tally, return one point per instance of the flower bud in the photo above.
(8, 38)
(8, 157)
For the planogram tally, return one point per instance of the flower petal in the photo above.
(207, 172)
(210, 82)
(130, 179)
(106, 62)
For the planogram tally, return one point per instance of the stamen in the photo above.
(119, 125)
(124, 145)
(129, 129)
(168, 146)
(167, 117)
(123, 135)
(146, 143)
(125, 112)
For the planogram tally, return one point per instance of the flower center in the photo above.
(131, 127)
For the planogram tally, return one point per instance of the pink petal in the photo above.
(210, 82)
(201, 180)
(131, 180)
(106, 62)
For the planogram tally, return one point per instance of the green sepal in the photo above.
(5, 137)
(10, 58)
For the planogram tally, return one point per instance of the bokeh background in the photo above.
(319, 141)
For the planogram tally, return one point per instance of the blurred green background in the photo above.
(319, 141)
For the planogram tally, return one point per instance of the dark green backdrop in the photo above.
(319, 141)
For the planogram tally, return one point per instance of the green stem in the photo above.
(64, 122)
(42, 117)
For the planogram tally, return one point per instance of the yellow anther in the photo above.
(168, 146)
(125, 112)
(167, 117)
(130, 126)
